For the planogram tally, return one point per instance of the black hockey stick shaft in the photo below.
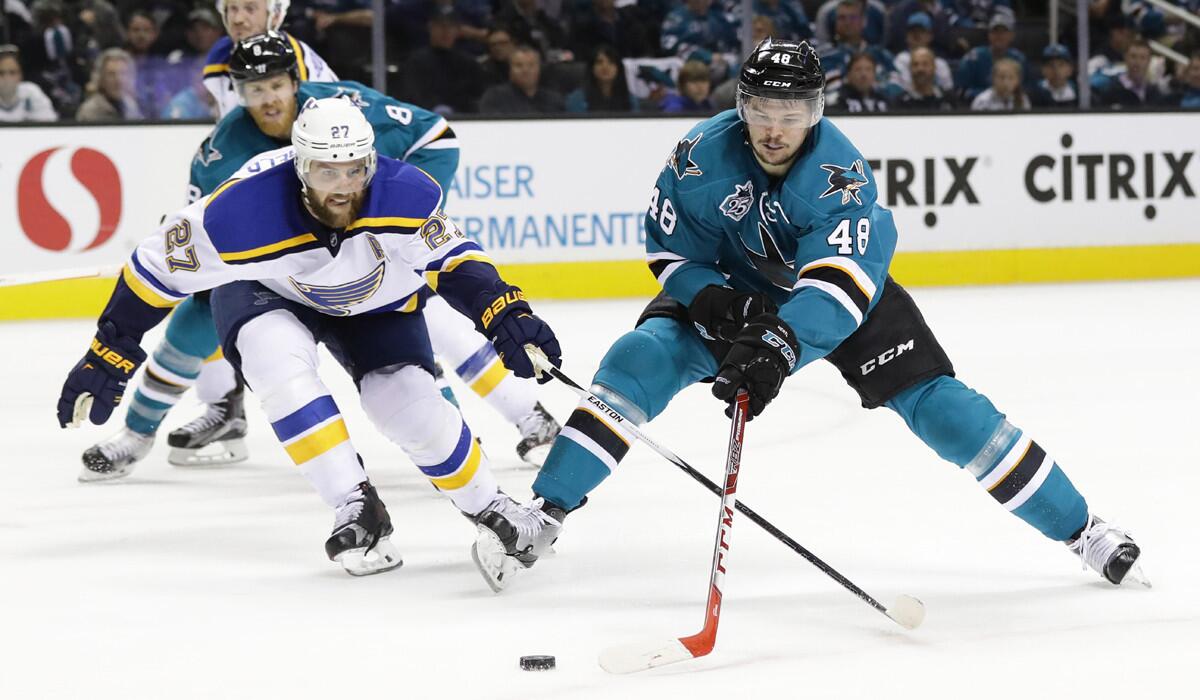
(544, 365)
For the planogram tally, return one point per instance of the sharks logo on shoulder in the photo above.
(738, 204)
(207, 155)
(681, 158)
(847, 181)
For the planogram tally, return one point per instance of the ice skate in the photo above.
(538, 430)
(1110, 551)
(512, 536)
(215, 437)
(360, 534)
(115, 457)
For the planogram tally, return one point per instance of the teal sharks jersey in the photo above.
(816, 240)
(402, 131)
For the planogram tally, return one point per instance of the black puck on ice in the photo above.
(537, 663)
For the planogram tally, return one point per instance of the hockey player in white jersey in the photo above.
(340, 247)
(265, 67)
(244, 19)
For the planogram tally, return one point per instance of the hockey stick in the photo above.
(905, 610)
(56, 275)
(639, 657)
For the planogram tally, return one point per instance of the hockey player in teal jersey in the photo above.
(340, 246)
(765, 232)
(265, 68)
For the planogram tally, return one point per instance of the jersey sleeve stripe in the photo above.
(663, 269)
(837, 293)
(838, 278)
(261, 251)
(216, 69)
(375, 222)
(300, 62)
(850, 267)
(439, 127)
(441, 145)
(144, 291)
(221, 188)
(432, 276)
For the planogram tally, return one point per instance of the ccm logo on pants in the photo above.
(886, 356)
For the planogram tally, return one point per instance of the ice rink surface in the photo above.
(212, 583)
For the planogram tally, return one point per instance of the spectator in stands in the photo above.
(141, 35)
(874, 17)
(975, 72)
(850, 42)
(203, 30)
(898, 25)
(923, 91)
(523, 93)
(344, 35)
(695, 86)
(21, 101)
(49, 58)
(1189, 90)
(697, 24)
(605, 88)
(1006, 93)
(860, 92)
(439, 77)
(1133, 88)
(16, 21)
(495, 62)
(787, 16)
(604, 24)
(1056, 88)
(529, 24)
(978, 13)
(920, 36)
(98, 28)
(110, 92)
(1112, 55)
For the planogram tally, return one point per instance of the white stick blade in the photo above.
(631, 658)
(907, 611)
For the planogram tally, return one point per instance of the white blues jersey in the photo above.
(254, 227)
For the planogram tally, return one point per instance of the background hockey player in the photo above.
(772, 250)
(337, 247)
(244, 19)
(265, 69)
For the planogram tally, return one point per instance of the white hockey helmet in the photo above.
(333, 130)
(276, 12)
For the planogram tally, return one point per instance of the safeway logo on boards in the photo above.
(54, 213)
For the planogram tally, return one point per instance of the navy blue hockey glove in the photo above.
(99, 378)
(763, 355)
(510, 324)
(720, 313)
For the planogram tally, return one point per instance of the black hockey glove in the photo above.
(102, 375)
(762, 356)
(510, 324)
(720, 313)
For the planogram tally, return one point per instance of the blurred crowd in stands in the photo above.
(113, 60)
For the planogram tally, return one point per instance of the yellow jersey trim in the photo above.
(220, 188)
(145, 292)
(268, 249)
(216, 68)
(299, 57)
(377, 221)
